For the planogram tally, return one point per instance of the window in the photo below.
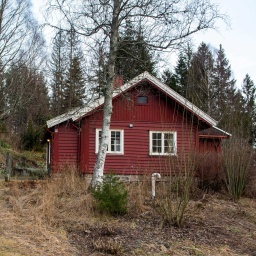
(142, 100)
(162, 143)
(115, 142)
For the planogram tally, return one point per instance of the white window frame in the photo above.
(121, 152)
(162, 153)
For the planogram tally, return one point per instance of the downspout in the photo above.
(154, 176)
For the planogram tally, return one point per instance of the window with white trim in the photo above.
(115, 141)
(162, 143)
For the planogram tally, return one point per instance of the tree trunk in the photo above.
(107, 109)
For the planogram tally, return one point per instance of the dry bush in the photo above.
(237, 162)
(250, 189)
(61, 198)
(107, 245)
(210, 175)
(139, 194)
(12, 139)
(174, 195)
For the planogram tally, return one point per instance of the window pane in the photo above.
(156, 142)
(115, 141)
(168, 143)
(142, 99)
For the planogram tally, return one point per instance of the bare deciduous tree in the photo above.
(165, 23)
(20, 42)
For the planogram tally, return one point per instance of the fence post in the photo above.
(8, 166)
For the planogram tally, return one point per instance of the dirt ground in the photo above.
(214, 225)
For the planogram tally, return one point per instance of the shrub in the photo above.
(174, 195)
(210, 176)
(237, 163)
(111, 196)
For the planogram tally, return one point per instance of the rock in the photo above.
(163, 248)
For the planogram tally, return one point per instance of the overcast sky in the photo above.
(238, 41)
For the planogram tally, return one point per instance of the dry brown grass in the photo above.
(53, 201)
(139, 193)
(56, 217)
(21, 231)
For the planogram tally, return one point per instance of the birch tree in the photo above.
(166, 24)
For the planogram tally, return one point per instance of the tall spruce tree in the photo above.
(58, 68)
(182, 71)
(74, 91)
(133, 55)
(169, 79)
(74, 87)
(249, 93)
(226, 98)
(200, 90)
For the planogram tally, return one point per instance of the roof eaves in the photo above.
(77, 114)
(61, 118)
(83, 111)
(228, 134)
(181, 100)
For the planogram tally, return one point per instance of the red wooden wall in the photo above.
(160, 114)
(65, 146)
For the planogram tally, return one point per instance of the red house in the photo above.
(151, 125)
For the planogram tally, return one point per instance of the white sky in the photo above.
(238, 40)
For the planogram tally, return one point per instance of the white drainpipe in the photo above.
(153, 180)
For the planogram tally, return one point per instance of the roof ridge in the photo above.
(78, 113)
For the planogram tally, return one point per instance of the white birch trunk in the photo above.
(107, 109)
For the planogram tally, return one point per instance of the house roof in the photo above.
(214, 132)
(77, 113)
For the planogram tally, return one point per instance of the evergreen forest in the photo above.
(43, 76)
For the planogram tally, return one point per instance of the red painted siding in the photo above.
(210, 167)
(212, 145)
(160, 114)
(65, 143)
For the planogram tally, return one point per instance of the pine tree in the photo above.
(249, 93)
(225, 92)
(74, 88)
(182, 71)
(58, 69)
(200, 90)
(133, 56)
(169, 79)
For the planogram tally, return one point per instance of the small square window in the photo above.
(142, 100)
